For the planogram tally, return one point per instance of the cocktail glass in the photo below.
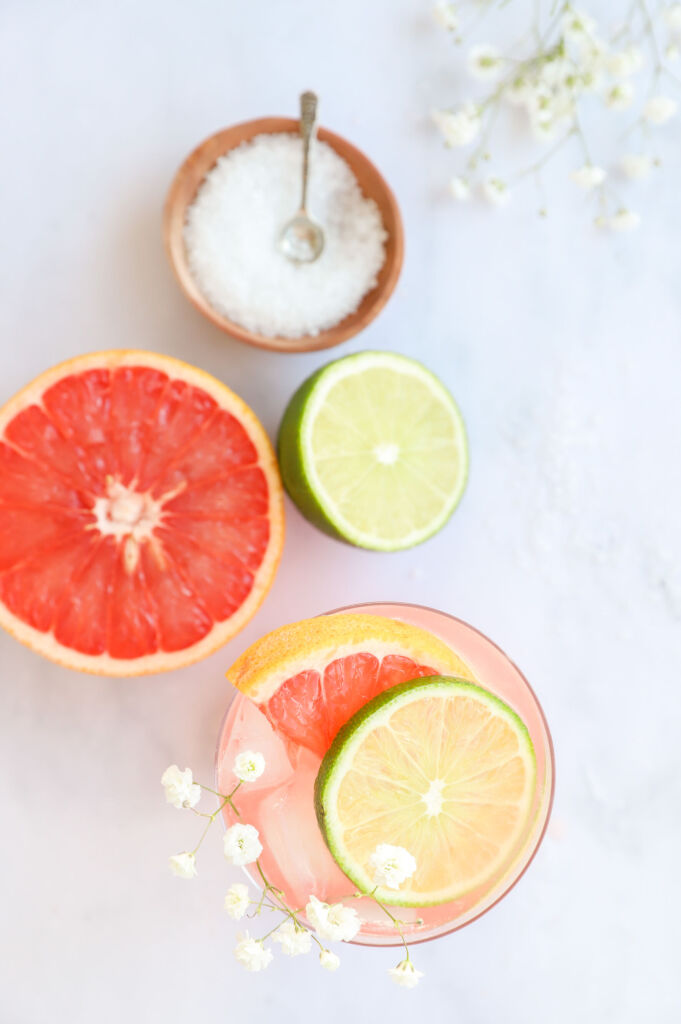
(280, 804)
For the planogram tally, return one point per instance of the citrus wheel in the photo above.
(438, 766)
(310, 677)
(141, 513)
(373, 451)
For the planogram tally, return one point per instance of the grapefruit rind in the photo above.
(222, 632)
(339, 759)
(312, 643)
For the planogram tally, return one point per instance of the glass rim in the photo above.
(550, 760)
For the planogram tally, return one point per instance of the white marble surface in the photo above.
(562, 347)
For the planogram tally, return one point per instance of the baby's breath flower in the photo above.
(672, 17)
(183, 865)
(520, 91)
(624, 220)
(458, 127)
(181, 790)
(591, 79)
(460, 188)
(636, 165)
(620, 96)
(552, 81)
(624, 63)
(549, 110)
(484, 63)
(337, 923)
(237, 900)
(496, 191)
(588, 177)
(251, 953)
(555, 71)
(576, 25)
(543, 124)
(447, 16)
(293, 939)
(248, 765)
(241, 844)
(405, 974)
(659, 109)
(391, 865)
(328, 960)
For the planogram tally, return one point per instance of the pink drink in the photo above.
(281, 804)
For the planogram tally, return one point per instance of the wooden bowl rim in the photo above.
(354, 322)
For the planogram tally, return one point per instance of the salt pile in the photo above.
(233, 227)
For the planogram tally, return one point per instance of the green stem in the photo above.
(396, 923)
(213, 791)
(551, 152)
(648, 22)
(579, 132)
(479, 150)
(211, 819)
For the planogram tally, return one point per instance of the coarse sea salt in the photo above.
(233, 227)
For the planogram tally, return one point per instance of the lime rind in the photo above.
(298, 465)
(374, 714)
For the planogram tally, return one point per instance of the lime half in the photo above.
(373, 451)
(440, 767)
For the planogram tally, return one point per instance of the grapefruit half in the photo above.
(310, 677)
(141, 513)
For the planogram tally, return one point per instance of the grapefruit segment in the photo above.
(141, 517)
(21, 486)
(309, 678)
(87, 621)
(28, 531)
(32, 433)
(239, 496)
(135, 395)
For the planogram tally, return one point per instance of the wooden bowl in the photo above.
(183, 191)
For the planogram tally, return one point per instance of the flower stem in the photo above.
(397, 924)
(551, 152)
(211, 819)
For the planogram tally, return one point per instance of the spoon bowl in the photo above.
(183, 191)
(302, 240)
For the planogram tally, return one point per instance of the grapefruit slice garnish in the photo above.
(141, 514)
(310, 677)
(438, 766)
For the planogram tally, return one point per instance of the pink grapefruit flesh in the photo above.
(141, 517)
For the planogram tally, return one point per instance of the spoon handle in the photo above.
(308, 118)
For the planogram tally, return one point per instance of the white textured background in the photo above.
(562, 346)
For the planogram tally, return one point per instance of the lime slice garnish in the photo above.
(440, 767)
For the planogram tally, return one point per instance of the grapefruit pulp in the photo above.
(141, 514)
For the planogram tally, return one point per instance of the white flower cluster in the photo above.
(330, 922)
(390, 865)
(458, 127)
(334, 922)
(237, 901)
(405, 974)
(241, 845)
(573, 62)
(180, 788)
(248, 766)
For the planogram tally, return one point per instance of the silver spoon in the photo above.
(302, 240)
